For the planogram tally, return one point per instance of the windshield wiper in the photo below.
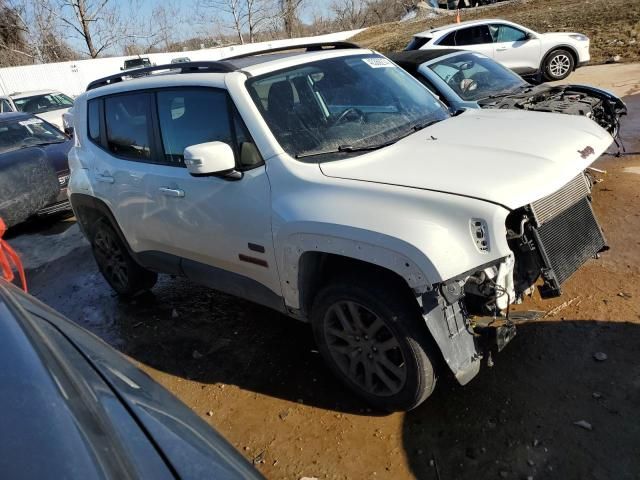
(352, 148)
(42, 144)
(344, 149)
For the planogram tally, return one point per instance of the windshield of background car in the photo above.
(357, 102)
(43, 103)
(473, 76)
(28, 132)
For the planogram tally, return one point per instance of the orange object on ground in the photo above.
(9, 259)
(458, 16)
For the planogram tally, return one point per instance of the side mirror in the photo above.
(211, 158)
(529, 36)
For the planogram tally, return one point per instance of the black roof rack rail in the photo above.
(309, 47)
(186, 67)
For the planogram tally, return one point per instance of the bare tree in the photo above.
(289, 12)
(241, 16)
(350, 14)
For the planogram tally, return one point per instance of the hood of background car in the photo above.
(507, 157)
(559, 34)
(54, 117)
(57, 155)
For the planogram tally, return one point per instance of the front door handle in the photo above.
(104, 178)
(171, 192)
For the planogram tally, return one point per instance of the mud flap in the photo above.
(452, 333)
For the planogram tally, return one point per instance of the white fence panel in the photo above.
(72, 78)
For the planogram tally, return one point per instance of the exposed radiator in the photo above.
(567, 240)
(548, 207)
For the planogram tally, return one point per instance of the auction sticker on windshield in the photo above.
(377, 62)
(31, 121)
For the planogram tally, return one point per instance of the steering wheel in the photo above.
(468, 85)
(346, 113)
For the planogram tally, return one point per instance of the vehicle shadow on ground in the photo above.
(196, 333)
(517, 419)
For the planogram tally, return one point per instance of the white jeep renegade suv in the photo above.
(330, 185)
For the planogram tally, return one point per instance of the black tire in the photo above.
(401, 323)
(558, 65)
(121, 271)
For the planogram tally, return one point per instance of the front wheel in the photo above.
(558, 65)
(374, 339)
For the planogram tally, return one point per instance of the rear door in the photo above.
(476, 38)
(514, 49)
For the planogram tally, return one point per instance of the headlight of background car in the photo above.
(579, 37)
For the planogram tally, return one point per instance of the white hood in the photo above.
(54, 117)
(508, 157)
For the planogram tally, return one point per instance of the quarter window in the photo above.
(127, 124)
(190, 117)
(5, 106)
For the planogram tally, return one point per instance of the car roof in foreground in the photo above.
(455, 26)
(87, 412)
(250, 64)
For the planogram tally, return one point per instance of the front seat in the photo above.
(280, 105)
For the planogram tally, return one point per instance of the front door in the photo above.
(213, 221)
(514, 49)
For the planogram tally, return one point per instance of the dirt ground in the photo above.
(612, 25)
(256, 377)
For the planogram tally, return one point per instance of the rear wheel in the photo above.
(558, 65)
(116, 265)
(374, 339)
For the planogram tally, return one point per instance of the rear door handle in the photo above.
(171, 192)
(104, 178)
(501, 49)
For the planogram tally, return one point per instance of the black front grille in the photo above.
(566, 242)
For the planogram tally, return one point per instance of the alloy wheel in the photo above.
(559, 65)
(111, 258)
(365, 348)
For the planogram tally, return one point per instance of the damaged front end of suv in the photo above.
(550, 239)
(599, 105)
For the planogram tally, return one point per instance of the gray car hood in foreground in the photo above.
(507, 157)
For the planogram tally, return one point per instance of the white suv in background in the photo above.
(331, 186)
(554, 55)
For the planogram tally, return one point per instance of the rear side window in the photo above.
(93, 120)
(189, 117)
(417, 43)
(127, 119)
(477, 35)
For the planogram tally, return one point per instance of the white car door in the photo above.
(213, 221)
(476, 38)
(122, 170)
(515, 49)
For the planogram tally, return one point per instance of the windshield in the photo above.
(28, 132)
(43, 103)
(341, 105)
(473, 76)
